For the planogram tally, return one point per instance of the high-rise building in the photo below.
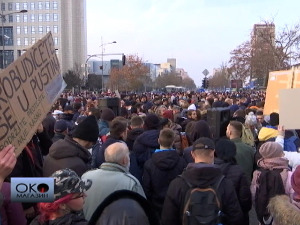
(66, 19)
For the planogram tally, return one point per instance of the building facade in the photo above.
(26, 21)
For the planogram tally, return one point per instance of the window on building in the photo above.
(8, 56)
(47, 5)
(55, 29)
(10, 6)
(17, 18)
(25, 5)
(26, 41)
(47, 17)
(2, 6)
(10, 18)
(55, 40)
(32, 5)
(40, 29)
(8, 36)
(40, 5)
(40, 17)
(55, 5)
(25, 16)
(18, 41)
(18, 30)
(47, 29)
(33, 40)
(55, 17)
(33, 29)
(25, 30)
(17, 6)
(32, 17)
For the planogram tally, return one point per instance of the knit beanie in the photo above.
(225, 149)
(107, 114)
(271, 150)
(274, 119)
(152, 121)
(295, 181)
(87, 130)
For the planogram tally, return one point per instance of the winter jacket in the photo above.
(68, 219)
(100, 154)
(187, 155)
(159, 171)
(109, 178)
(244, 157)
(200, 175)
(132, 135)
(284, 211)
(58, 136)
(124, 207)
(145, 145)
(266, 133)
(67, 153)
(286, 179)
(9, 209)
(103, 128)
(241, 184)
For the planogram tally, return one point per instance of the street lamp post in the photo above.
(3, 19)
(101, 46)
(86, 67)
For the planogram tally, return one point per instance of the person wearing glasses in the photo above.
(69, 195)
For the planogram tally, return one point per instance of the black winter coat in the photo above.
(100, 155)
(132, 135)
(67, 153)
(200, 175)
(241, 184)
(159, 171)
(145, 145)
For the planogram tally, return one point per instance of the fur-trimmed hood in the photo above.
(284, 212)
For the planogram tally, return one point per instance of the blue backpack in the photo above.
(289, 144)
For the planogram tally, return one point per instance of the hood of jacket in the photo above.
(202, 174)
(66, 148)
(132, 135)
(149, 138)
(266, 133)
(284, 212)
(165, 160)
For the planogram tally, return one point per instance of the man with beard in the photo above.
(112, 176)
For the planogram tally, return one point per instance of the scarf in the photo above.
(274, 163)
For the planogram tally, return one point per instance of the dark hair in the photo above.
(117, 126)
(259, 113)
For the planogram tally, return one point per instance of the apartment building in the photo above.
(26, 21)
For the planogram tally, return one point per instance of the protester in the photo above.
(201, 174)
(60, 130)
(164, 165)
(112, 175)
(69, 194)
(72, 152)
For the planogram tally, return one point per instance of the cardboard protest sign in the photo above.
(277, 80)
(28, 88)
(289, 109)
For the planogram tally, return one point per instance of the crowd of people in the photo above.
(155, 159)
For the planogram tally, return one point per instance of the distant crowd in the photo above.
(167, 158)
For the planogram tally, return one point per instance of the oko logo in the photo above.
(32, 189)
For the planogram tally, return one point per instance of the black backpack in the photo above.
(202, 206)
(270, 184)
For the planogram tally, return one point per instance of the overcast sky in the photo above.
(199, 33)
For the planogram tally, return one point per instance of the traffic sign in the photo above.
(205, 72)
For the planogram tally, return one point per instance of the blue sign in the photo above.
(32, 189)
